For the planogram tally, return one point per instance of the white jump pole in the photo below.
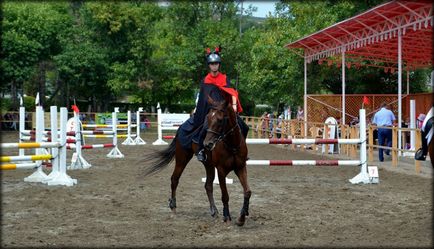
(138, 139)
(159, 140)
(55, 150)
(363, 176)
(216, 179)
(22, 124)
(412, 126)
(58, 176)
(77, 161)
(115, 152)
(38, 175)
(129, 140)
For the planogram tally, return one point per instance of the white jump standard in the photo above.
(138, 139)
(57, 154)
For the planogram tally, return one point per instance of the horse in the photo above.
(427, 138)
(431, 152)
(226, 150)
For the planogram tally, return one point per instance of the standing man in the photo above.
(384, 118)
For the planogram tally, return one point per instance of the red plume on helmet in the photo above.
(208, 51)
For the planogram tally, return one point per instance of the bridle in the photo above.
(220, 135)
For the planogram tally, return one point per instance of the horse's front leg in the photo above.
(225, 197)
(242, 175)
(210, 175)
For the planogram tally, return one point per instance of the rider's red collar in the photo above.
(218, 80)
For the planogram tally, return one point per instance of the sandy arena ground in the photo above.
(112, 206)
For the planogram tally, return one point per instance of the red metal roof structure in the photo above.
(394, 35)
(372, 37)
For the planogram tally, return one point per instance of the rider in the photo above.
(218, 79)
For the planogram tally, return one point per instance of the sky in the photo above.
(263, 7)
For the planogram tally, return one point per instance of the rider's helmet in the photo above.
(214, 56)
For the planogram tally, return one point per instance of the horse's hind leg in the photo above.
(242, 175)
(210, 175)
(182, 158)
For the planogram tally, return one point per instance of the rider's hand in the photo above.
(235, 107)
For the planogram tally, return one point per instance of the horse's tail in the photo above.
(160, 159)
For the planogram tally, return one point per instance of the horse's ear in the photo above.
(229, 105)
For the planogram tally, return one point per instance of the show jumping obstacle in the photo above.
(78, 161)
(57, 148)
(73, 140)
(108, 134)
(75, 136)
(362, 177)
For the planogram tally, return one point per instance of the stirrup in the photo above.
(419, 155)
(201, 156)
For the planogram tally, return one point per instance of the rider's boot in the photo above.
(421, 153)
(201, 155)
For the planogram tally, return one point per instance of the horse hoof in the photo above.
(214, 212)
(227, 219)
(240, 222)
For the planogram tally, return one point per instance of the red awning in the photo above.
(372, 37)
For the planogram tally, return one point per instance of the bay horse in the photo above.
(226, 150)
(431, 152)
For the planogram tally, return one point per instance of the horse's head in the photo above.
(217, 118)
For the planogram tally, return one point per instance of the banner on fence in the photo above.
(106, 118)
(173, 119)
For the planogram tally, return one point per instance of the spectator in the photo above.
(354, 122)
(279, 126)
(263, 123)
(384, 118)
(15, 120)
(270, 123)
(8, 121)
(300, 113)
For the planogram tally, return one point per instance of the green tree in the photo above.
(30, 39)
(124, 29)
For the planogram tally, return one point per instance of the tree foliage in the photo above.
(100, 52)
